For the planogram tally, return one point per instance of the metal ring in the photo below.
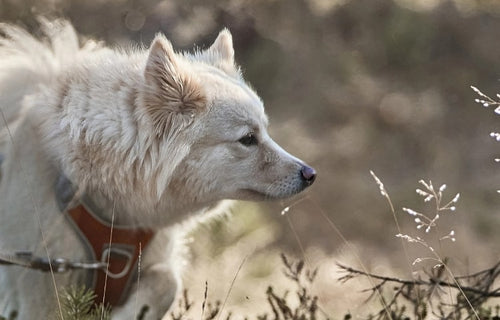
(123, 252)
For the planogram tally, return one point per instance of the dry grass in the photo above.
(433, 290)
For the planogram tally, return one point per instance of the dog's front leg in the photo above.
(152, 295)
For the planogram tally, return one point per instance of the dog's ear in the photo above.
(221, 54)
(222, 50)
(172, 95)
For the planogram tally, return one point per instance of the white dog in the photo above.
(140, 140)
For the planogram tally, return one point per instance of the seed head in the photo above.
(422, 193)
(410, 211)
(284, 211)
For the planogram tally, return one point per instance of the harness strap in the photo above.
(111, 285)
(120, 254)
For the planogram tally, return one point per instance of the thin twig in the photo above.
(430, 283)
(109, 256)
(232, 285)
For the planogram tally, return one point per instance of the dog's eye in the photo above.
(249, 139)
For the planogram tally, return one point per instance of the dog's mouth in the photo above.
(256, 195)
(280, 189)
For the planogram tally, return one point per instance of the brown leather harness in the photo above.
(115, 250)
(116, 246)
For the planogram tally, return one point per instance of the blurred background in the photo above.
(350, 86)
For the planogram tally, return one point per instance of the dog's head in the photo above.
(213, 128)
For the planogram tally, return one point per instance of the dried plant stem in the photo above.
(231, 286)
(385, 194)
(430, 283)
(109, 255)
(138, 281)
(299, 242)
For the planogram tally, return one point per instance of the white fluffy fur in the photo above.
(154, 134)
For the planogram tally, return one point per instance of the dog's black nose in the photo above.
(308, 174)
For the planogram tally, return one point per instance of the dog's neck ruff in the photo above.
(117, 246)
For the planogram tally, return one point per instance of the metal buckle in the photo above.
(122, 252)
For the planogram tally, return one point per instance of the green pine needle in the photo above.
(78, 304)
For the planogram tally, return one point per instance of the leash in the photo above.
(26, 259)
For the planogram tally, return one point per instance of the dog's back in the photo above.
(27, 62)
